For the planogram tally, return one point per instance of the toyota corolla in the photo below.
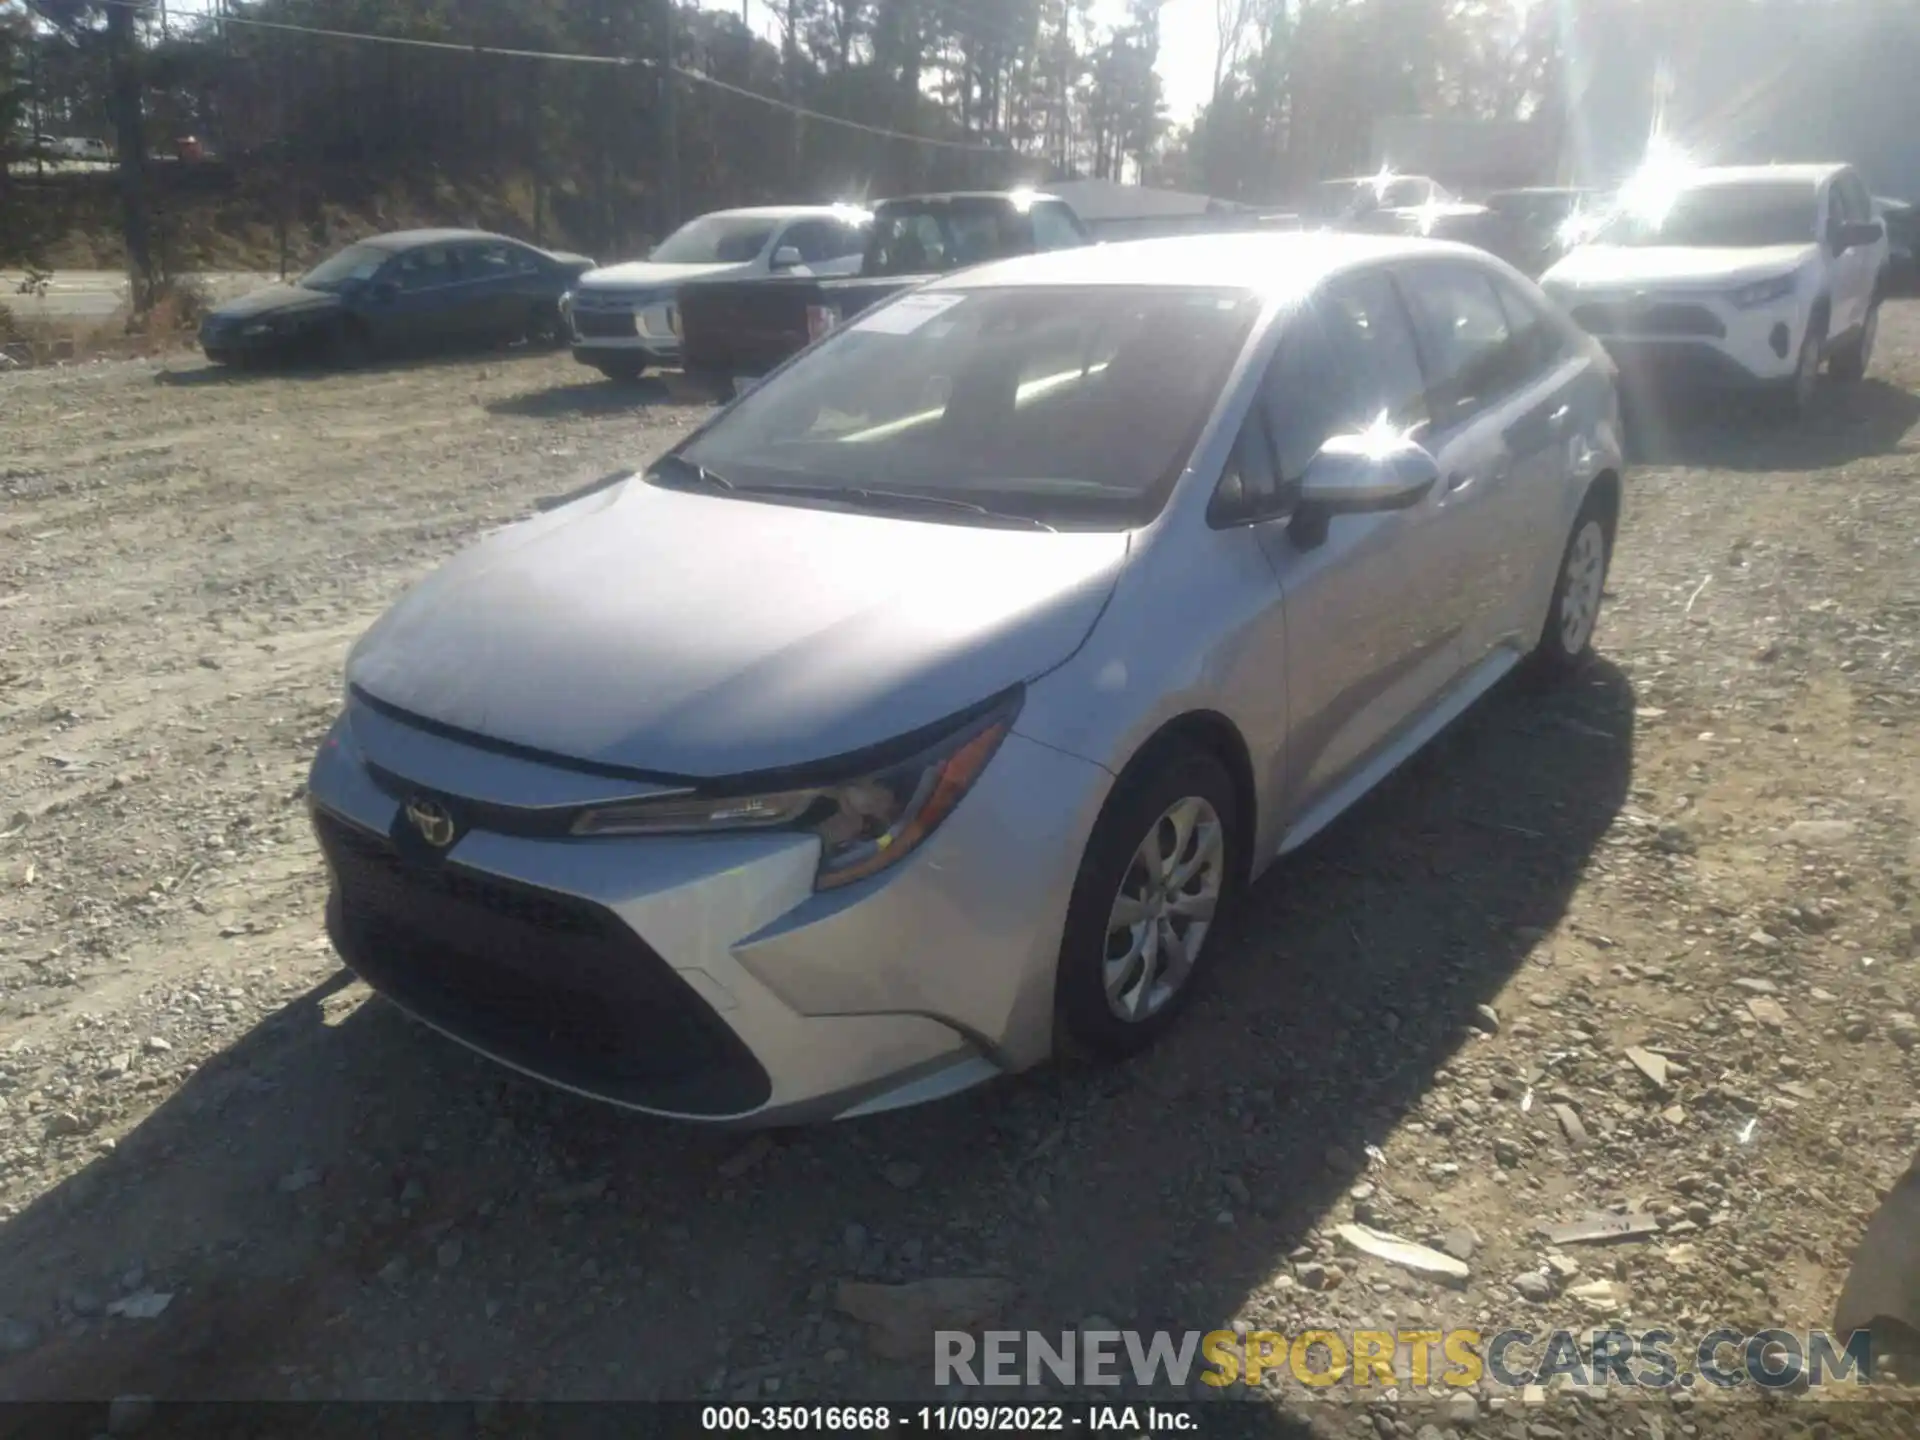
(917, 715)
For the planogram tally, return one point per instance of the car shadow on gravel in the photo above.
(343, 1204)
(295, 367)
(1846, 423)
(601, 397)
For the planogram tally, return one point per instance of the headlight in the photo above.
(865, 824)
(1763, 292)
(566, 302)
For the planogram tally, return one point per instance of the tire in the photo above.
(712, 384)
(1796, 398)
(219, 357)
(1566, 639)
(1186, 800)
(621, 372)
(1849, 363)
(544, 328)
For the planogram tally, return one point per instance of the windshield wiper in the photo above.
(885, 498)
(687, 468)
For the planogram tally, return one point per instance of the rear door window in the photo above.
(490, 260)
(425, 268)
(909, 243)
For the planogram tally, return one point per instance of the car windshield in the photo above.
(714, 240)
(356, 262)
(1073, 405)
(927, 239)
(1730, 214)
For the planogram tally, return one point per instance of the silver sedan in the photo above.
(922, 711)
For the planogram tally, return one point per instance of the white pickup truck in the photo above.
(1736, 276)
(623, 318)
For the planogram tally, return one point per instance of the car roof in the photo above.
(1757, 174)
(935, 196)
(407, 239)
(784, 212)
(1290, 261)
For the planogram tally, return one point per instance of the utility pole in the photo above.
(130, 134)
(669, 121)
(789, 79)
(33, 84)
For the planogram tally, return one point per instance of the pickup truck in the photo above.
(741, 329)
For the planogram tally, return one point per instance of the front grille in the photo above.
(595, 325)
(1657, 319)
(556, 985)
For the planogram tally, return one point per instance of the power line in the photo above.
(699, 77)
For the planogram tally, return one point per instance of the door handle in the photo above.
(1494, 473)
(1558, 420)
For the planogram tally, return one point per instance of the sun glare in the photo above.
(1664, 172)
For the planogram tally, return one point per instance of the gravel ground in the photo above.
(226, 1171)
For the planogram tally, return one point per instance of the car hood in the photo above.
(695, 635)
(276, 299)
(1608, 267)
(638, 274)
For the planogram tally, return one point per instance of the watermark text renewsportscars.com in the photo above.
(1456, 1359)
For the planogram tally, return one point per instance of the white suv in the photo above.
(623, 318)
(1748, 276)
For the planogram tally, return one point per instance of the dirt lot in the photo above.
(1707, 847)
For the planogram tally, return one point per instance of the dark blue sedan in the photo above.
(410, 291)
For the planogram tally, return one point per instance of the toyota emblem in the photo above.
(432, 820)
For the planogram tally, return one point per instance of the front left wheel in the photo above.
(1162, 861)
(1849, 362)
(1796, 398)
(1566, 641)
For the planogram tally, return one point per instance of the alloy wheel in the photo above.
(1806, 374)
(1585, 580)
(1163, 910)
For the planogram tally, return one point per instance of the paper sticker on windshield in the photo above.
(908, 313)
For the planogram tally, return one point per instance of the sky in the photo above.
(1187, 30)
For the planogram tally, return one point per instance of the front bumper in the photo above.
(606, 329)
(1701, 341)
(230, 340)
(701, 978)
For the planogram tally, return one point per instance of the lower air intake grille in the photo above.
(558, 986)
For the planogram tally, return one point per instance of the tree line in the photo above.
(858, 97)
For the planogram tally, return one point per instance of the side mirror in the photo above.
(785, 258)
(1361, 475)
(1857, 233)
